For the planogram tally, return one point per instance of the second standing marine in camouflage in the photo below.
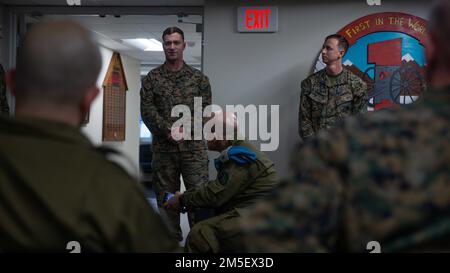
(166, 86)
(332, 93)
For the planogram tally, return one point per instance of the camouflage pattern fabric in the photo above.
(167, 168)
(236, 188)
(4, 108)
(55, 187)
(325, 100)
(163, 89)
(383, 178)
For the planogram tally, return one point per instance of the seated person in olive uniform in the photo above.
(245, 175)
(55, 186)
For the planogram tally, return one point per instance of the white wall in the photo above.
(267, 68)
(129, 147)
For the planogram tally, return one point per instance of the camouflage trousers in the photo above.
(221, 233)
(167, 168)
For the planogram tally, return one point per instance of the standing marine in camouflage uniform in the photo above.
(164, 87)
(332, 93)
(4, 108)
(55, 186)
(245, 175)
(383, 178)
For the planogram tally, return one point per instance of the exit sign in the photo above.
(257, 19)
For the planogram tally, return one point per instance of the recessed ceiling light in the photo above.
(145, 44)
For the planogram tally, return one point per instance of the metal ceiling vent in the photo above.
(198, 26)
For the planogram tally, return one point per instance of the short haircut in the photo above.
(172, 30)
(57, 63)
(342, 42)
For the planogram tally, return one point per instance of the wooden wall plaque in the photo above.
(114, 101)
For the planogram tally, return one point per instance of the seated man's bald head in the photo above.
(58, 62)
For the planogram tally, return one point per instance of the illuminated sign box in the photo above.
(257, 19)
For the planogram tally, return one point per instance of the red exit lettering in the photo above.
(257, 18)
